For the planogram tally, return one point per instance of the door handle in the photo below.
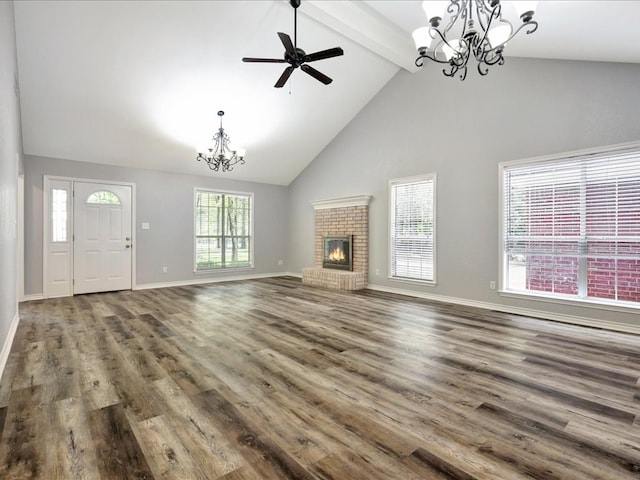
(127, 246)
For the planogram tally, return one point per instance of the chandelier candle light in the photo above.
(476, 28)
(220, 155)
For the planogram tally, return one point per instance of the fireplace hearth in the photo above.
(338, 252)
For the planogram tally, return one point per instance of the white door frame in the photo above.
(46, 220)
(20, 237)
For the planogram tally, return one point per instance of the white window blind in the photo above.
(413, 228)
(572, 226)
(223, 224)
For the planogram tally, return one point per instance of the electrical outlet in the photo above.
(164, 269)
(492, 285)
(377, 271)
(280, 262)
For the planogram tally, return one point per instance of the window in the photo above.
(223, 227)
(59, 216)
(571, 227)
(413, 228)
(103, 198)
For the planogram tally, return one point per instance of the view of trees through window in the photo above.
(103, 198)
(413, 228)
(222, 230)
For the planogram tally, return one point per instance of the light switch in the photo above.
(145, 226)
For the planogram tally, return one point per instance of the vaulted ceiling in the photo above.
(138, 83)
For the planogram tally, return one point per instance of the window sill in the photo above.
(223, 270)
(413, 281)
(626, 307)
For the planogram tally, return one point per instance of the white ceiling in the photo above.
(138, 83)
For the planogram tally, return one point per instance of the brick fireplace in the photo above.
(348, 216)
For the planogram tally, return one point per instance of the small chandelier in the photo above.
(220, 155)
(476, 28)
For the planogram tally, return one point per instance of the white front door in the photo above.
(102, 237)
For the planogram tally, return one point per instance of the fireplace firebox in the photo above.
(338, 252)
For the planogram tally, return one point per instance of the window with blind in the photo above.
(571, 227)
(223, 230)
(412, 204)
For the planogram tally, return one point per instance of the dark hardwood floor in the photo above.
(271, 379)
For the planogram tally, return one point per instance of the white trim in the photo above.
(589, 302)
(354, 201)
(234, 278)
(503, 268)
(45, 225)
(47, 242)
(558, 317)
(574, 153)
(45, 233)
(33, 296)
(366, 27)
(20, 238)
(426, 177)
(225, 269)
(8, 342)
(413, 281)
(222, 270)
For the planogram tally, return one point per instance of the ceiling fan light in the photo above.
(422, 38)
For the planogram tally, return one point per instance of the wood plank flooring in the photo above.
(272, 379)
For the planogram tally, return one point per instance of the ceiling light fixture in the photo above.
(220, 155)
(476, 28)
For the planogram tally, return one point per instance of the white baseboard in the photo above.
(6, 348)
(182, 283)
(201, 281)
(558, 317)
(34, 296)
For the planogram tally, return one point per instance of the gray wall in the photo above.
(165, 201)
(425, 122)
(10, 155)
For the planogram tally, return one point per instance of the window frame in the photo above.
(427, 177)
(59, 220)
(503, 264)
(251, 235)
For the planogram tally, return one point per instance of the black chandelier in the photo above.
(476, 28)
(220, 155)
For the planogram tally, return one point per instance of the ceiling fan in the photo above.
(296, 57)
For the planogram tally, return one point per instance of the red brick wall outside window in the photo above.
(574, 234)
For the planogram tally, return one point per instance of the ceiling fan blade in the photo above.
(321, 55)
(288, 45)
(263, 60)
(284, 77)
(316, 74)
